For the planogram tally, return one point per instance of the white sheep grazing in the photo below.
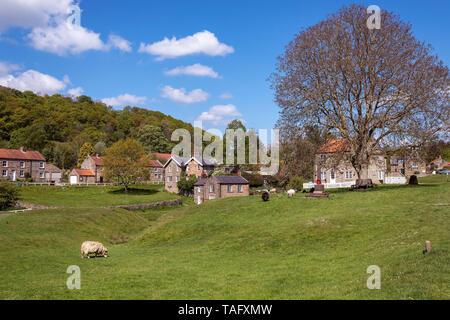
(94, 247)
(291, 193)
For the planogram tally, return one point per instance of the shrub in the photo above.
(186, 186)
(254, 180)
(296, 183)
(9, 194)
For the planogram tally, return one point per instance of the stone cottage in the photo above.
(215, 187)
(95, 164)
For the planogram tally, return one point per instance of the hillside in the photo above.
(57, 126)
(239, 248)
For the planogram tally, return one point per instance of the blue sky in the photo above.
(234, 46)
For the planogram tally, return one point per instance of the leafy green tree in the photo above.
(296, 183)
(126, 161)
(100, 147)
(9, 194)
(153, 138)
(186, 186)
(85, 151)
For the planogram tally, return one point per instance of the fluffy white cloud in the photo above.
(75, 92)
(65, 38)
(194, 70)
(34, 81)
(31, 13)
(124, 100)
(201, 42)
(220, 114)
(6, 67)
(115, 41)
(226, 95)
(180, 95)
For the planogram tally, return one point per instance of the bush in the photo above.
(254, 180)
(273, 181)
(9, 194)
(186, 186)
(296, 183)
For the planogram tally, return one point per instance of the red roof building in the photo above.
(334, 145)
(21, 154)
(162, 156)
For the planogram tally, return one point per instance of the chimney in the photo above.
(239, 172)
(22, 148)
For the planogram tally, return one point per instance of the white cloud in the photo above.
(65, 38)
(6, 67)
(34, 81)
(75, 92)
(31, 13)
(180, 95)
(118, 42)
(226, 95)
(201, 42)
(193, 70)
(220, 114)
(124, 100)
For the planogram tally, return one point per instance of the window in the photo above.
(348, 174)
(211, 188)
(21, 173)
(41, 175)
(81, 178)
(169, 169)
(415, 167)
(332, 176)
(155, 169)
(198, 189)
(22, 164)
(229, 188)
(177, 178)
(156, 175)
(198, 167)
(4, 173)
(41, 165)
(374, 172)
(323, 157)
(187, 168)
(4, 163)
(169, 178)
(323, 176)
(239, 188)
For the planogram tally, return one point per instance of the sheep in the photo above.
(291, 193)
(94, 247)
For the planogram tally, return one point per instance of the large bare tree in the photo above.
(368, 86)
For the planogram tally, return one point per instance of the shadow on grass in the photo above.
(134, 191)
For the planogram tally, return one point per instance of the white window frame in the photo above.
(187, 169)
(5, 173)
(229, 188)
(198, 167)
(348, 174)
(4, 163)
(41, 175)
(323, 176)
(211, 188)
(169, 178)
(239, 188)
(198, 189)
(42, 165)
(22, 173)
(22, 164)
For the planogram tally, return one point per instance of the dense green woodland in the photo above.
(58, 126)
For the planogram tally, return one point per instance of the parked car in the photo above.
(444, 171)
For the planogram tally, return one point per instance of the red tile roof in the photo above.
(163, 156)
(155, 163)
(21, 155)
(97, 160)
(334, 145)
(84, 172)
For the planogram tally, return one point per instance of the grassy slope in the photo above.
(238, 248)
(85, 197)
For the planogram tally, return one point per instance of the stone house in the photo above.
(438, 164)
(156, 171)
(95, 164)
(53, 173)
(173, 169)
(199, 167)
(215, 187)
(332, 164)
(81, 176)
(408, 165)
(15, 164)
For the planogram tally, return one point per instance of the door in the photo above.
(73, 179)
(332, 177)
(381, 175)
(13, 175)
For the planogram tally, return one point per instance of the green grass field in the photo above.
(238, 248)
(87, 197)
